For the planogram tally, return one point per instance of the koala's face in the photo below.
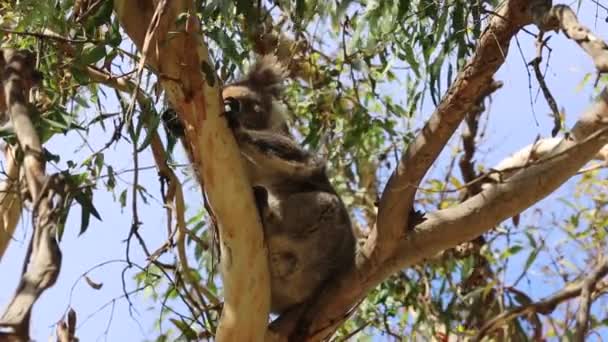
(255, 98)
(255, 110)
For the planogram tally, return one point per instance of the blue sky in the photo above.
(512, 126)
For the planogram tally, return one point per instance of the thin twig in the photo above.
(545, 306)
(535, 63)
(49, 36)
(588, 285)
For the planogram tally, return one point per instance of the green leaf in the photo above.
(123, 198)
(111, 182)
(79, 76)
(60, 125)
(92, 53)
(530, 260)
(172, 293)
(85, 200)
(102, 15)
(99, 162)
(114, 38)
(151, 129)
(411, 59)
(245, 7)
(63, 218)
(404, 7)
(300, 9)
(511, 251)
(185, 329)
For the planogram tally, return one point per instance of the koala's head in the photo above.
(256, 96)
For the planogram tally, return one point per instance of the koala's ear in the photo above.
(267, 74)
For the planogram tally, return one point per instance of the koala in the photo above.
(306, 225)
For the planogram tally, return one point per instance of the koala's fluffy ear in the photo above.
(267, 74)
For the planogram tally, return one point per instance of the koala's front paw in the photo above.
(172, 123)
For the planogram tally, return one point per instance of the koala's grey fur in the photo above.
(306, 225)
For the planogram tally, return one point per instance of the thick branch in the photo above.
(17, 75)
(497, 202)
(563, 17)
(182, 64)
(473, 80)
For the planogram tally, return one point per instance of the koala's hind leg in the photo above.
(282, 262)
(311, 242)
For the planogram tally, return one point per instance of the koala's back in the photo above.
(309, 239)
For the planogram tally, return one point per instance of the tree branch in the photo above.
(43, 259)
(563, 17)
(182, 64)
(587, 288)
(377, 259)
(535, 63)
(547, 305)
(497, 202)
(464, 93)
(501, 200)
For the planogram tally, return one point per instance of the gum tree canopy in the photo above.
(447, 250)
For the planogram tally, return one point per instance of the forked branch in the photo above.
(562, 17)
(392, 246)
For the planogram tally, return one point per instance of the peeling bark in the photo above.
(10, 199)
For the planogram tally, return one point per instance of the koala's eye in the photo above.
(232, 105)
